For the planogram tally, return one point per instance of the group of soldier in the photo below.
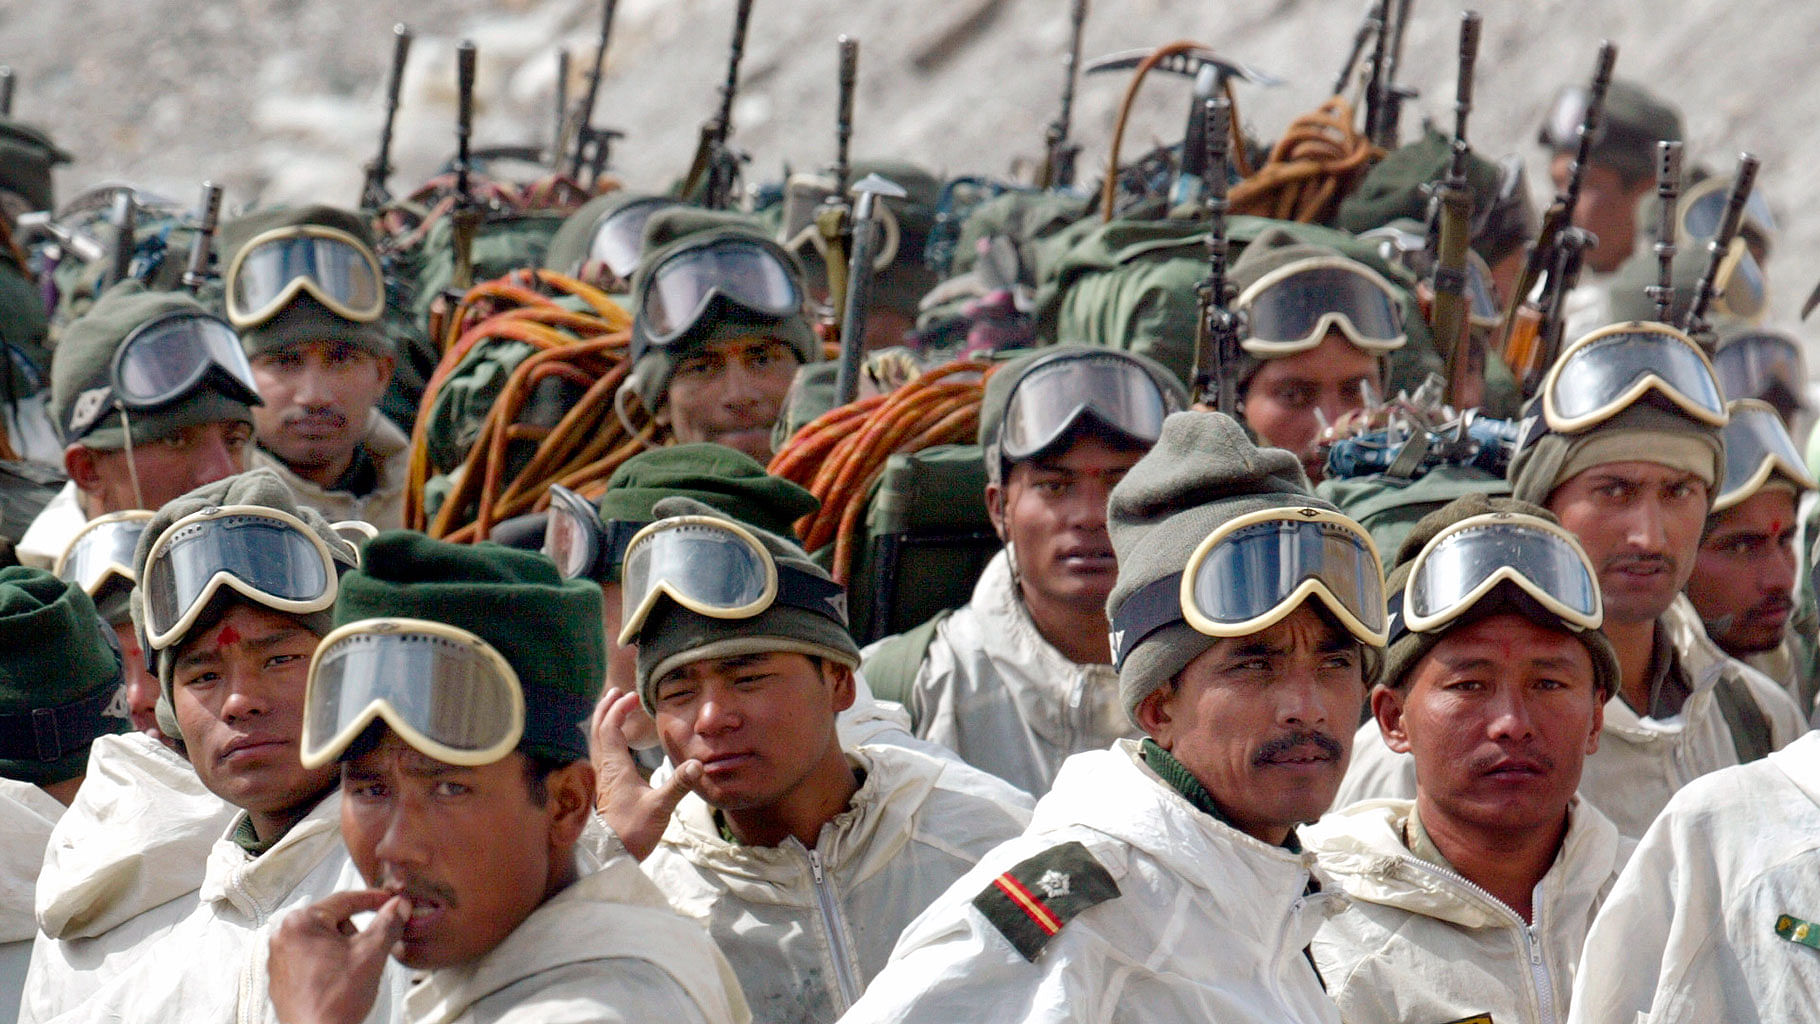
(1198, 746)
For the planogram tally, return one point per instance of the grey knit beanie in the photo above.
(674, 636)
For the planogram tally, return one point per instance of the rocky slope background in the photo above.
(281, 99)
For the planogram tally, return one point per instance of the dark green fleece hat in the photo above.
(81, 374)
(303, 319)
(60, 679)
(1397, 187)
(27, 156)
(730, 481)
(547, 628)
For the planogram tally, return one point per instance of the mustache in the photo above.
(415, 888)
(313, 412)
(1641, 561)
(1486, 762)
(1281, 745)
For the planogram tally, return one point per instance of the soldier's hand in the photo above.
(326, 971)
(626, 803)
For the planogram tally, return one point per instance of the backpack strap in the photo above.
(891, 669)
(1749, 727)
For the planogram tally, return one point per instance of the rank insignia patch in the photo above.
(1030, 903)
(1795, 930)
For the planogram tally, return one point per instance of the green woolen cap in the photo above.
(1407, 651)
(27, 156)
(728, 481)
(673, 636)
(1397, 187)
(303, 319)
(1632, 122)
(54, 651)
(546, 627)
(83, 361)
(1001, 385)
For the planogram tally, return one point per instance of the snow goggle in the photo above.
(618, 238)
(1756, 364)
(580, 544)
(1463, 563)
(1410, 249)
(162, 361)
(264, 554)
(716, 568)
(100, 557)
(1739, 288)
(805, 195)
(443, 690)
(1757, 446)
(1255, 571)
(736, 271)
(1609, 370)
(1052, 397)
(1702, 210)
(276, 266)
(1292, 308)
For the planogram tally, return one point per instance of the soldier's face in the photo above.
(1052, 511)
(1284, 396)
(1744, 577)
(317, 395)
(1640, 523)
(730, 392)
(1265, 721)
(1607, 208)
(169, 468)
(1500, 717)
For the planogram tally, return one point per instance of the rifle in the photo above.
(714, 167)
(202, 249)
(1375, 90)
(1452, 232)
(467, 210)
(1390, 100)
(843, 119)
(126, 221)
(1718, 248)
(1668, 195)
(1368, 26)
(1530, 332)
(373, 193)
(1058, 153)
(559, 143)
(1216, 343)
(833, 221)
(584, 130)
(7, 81)
(859, 283)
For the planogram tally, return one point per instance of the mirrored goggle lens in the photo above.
(270, 557)
(1300, 306)
(1462, 566)
(163, 360)
(1701, 216)
(705, 567)
(445, 697)
(1561, 129)
(619, 237)
(1595, 381)
(338, 272)
(1052, 398)
(1751, 365)
(102, 552)
(1756, 436)
(745, 274)
(1743, 290)
(1250, 573)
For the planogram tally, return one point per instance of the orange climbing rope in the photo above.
(1318, 162)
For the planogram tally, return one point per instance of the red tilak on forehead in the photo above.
(228, 637)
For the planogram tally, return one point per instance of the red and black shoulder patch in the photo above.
(1030, 903)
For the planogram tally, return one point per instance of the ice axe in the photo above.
(1210, 73)
(859, 281)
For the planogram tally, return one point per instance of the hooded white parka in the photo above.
(123, 866)
(806, 929)
(605, 950)
(995, 692)
(1421, 943)
(1717, 915)
(1641, 762)
(1209, 924)
(27, 815)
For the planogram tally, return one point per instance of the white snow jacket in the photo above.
(806, 929)
(1641, 762)
(606, 950)
(390, 451)
(995, 692)
(123, 866)
(27, 815)
(1420, 944)
(1206, 923)
(1717, 916)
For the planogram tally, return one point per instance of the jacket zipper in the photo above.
(1538, 970)
(837, 935)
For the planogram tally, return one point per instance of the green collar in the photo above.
(1180, 779)
(248, 839)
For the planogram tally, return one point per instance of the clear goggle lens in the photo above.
(1607, 371)
(1291, 309)
(1464, 563)
(331, 266)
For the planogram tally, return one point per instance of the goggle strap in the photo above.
(1150, 608)
(811, 593)
(46, 734)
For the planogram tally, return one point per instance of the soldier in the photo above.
(1319, 328)
(719, 329)
(237, 586)
(803, 856)
(153, 397)
(1743, 586)
(600, 242)
(306, 293)
(59, 691)
(27, 159)
(100, 561)
(1163, 880)
(1020, 677)
(1474, 898)
(464, 823)
(1627, 452)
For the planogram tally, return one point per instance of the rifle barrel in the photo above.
(1668, 194)
(843, 126)
(374, 194)
(464, 119)
(585, 115)
(1719, 247)
(7, 81)
(196, 274)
